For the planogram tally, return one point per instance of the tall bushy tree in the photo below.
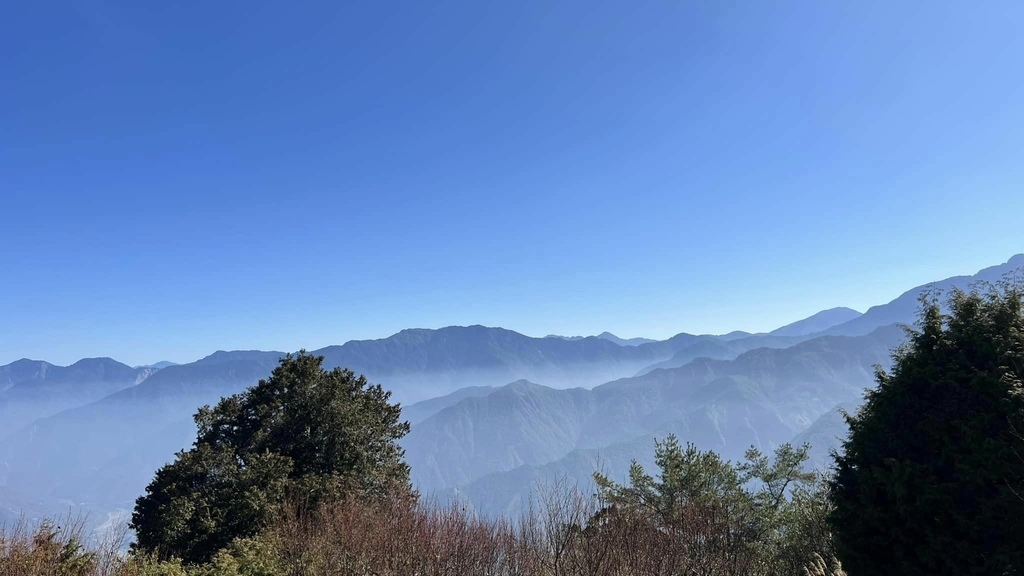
(931, 478)
(304, 433)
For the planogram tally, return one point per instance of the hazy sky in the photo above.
(181, 177)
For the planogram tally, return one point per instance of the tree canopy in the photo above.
(705, 515)
(303, 434)
(931, 478)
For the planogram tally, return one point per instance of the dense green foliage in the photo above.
(303, 434)
(763, 516)
(931, 478)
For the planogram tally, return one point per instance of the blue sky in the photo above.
(181, 177)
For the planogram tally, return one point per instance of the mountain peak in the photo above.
(102, 361)
(623, 341)
(159, 365)
(522, 384)
(26, 369)
(24, 362)
(237, 355)
(735, 335)
(817, 322)
(424, 333)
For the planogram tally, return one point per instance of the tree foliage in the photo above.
(931, 478)
(708, 516)
(302, 434)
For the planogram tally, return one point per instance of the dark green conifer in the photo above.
(302, 434)
(931, 478)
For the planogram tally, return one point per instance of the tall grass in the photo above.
(57, 548)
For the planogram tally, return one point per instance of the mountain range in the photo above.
(493, 411)
(762, 398)
(105, 452)
(31, 389)
(609, 337)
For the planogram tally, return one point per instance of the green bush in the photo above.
(259, 556)
(304, 433)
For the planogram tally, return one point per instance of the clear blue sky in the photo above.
(181, 177)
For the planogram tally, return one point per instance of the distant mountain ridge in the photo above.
(32, 389)
(426, 408)
(763, 397)
(111, 425)
(818, 322)
(716, 348)
(109, 448)
(25, 371)
(624, 341)
(159, 365)
(609, 337)
(502, 492)
(903, 308)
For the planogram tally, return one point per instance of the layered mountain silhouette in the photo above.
(763, 398)
(420, 363)
(624, 341)
(735, 343)
(609, 337)
(904, 307)
(32, 389)
(493, 411)
(717, 349)
(106, 451)
(426, 408)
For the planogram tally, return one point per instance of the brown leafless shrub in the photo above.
(399, 536)
(48, 549)
(562, 532)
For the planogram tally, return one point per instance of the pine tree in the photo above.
(931, 478)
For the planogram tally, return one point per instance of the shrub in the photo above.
(48, 550)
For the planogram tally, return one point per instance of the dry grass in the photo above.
(562, 533)
(821, 567)
(50, 549)
(59, 548)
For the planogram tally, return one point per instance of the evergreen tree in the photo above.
(303, 433)
(931, 478)
(756, 518)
